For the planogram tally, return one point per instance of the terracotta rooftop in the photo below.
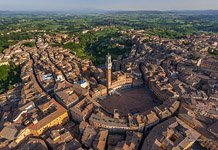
(44, 121)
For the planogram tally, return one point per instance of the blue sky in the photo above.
(108, 4)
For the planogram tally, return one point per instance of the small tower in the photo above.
(108, 65)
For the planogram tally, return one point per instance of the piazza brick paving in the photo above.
(134, 100)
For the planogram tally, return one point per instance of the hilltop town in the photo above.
(162, 95)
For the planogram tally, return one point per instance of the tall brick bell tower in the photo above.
(108, 65)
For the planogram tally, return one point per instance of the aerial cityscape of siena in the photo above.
(108, 75)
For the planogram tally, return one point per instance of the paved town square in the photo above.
(133, 101)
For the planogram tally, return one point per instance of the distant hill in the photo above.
(179, 12)
(88, 11)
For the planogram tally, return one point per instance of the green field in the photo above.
(9, 75)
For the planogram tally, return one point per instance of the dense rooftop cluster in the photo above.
(58, 103)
